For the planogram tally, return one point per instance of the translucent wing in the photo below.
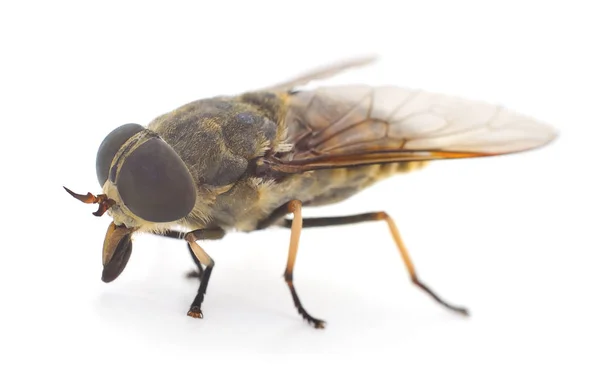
(357, 125)
(322, 73)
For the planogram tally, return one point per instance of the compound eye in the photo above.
(155, 184)
(110, 146)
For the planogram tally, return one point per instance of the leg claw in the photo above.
(318, 324)
(463, 311)
(195, 312)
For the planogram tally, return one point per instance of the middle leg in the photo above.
(295, 207)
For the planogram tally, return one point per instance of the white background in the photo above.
(513, 238)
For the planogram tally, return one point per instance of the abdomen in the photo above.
(324, 187)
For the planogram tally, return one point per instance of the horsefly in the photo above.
(245, 162)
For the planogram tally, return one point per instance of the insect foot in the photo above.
(195, 312)
(317, 323)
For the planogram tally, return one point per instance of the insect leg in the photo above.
(203, 258)
(208, 234)
(199, 271)
(295, 207)
(379, 216)
(181, 235)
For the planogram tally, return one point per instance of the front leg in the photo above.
(200, 257)
(203, 259)
(207, 234)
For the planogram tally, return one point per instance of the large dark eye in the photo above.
(110, 146)
(155, 184)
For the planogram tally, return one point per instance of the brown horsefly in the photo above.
(245, 162)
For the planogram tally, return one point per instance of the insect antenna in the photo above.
(103, 201)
